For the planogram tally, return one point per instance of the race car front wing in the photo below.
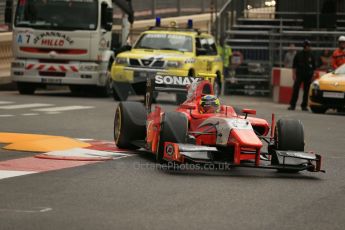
(278, 159)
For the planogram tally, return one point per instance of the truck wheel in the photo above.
(120, 91)
(104, 91)
(318, 109)
(129, 124)
(174, 129)
(77, 89)
(289, 135)
(26, 88)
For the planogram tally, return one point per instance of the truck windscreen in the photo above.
(163, 41)
(57, 14)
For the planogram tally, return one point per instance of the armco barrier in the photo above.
(5, 57)
(282, 82)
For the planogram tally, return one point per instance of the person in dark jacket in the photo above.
(303, 68)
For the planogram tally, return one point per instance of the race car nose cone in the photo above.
(246, 138)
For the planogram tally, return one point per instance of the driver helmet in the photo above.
(209, 104)
(341, 39)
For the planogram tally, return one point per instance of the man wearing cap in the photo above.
(338, 57)
(303, 71)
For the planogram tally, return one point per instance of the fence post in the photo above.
(153, 9)
(318, 14)
(178, 4)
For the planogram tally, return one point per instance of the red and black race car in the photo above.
(225, 136)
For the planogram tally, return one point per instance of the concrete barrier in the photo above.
(282, 82)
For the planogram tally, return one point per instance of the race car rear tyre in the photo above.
(174, 129)
(129, 124)
(121, 91)
(289, 135)
(318, 109)
(26, 88)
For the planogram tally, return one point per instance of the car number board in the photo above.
(51, 80)
(333, 95)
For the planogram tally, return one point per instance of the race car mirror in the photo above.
(248, 111)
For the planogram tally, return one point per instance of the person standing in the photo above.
(303, 71)
(225, 52)
(289, 56)
(338, 57)
(325, 60)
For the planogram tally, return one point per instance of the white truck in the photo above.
(62, 42)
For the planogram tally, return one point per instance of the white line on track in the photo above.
(53, 113)
(25, 106)
(34, 210)
(8, 173)
(6, 115)
(30, 114)
(6, 102)
(64, 108)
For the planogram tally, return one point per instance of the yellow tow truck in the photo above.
(174, 51)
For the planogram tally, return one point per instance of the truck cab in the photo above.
(170, 51)
(62, 42)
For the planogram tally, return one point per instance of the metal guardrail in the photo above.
(264, 49)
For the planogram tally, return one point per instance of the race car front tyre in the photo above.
(318, 109)
(26, 88)
(121, 91)
(174, 129)
(289, 135)
(129, 124)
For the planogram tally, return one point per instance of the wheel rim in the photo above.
(117, 125)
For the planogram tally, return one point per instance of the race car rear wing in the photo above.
(168, 84)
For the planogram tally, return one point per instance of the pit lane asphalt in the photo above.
(130, 194)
